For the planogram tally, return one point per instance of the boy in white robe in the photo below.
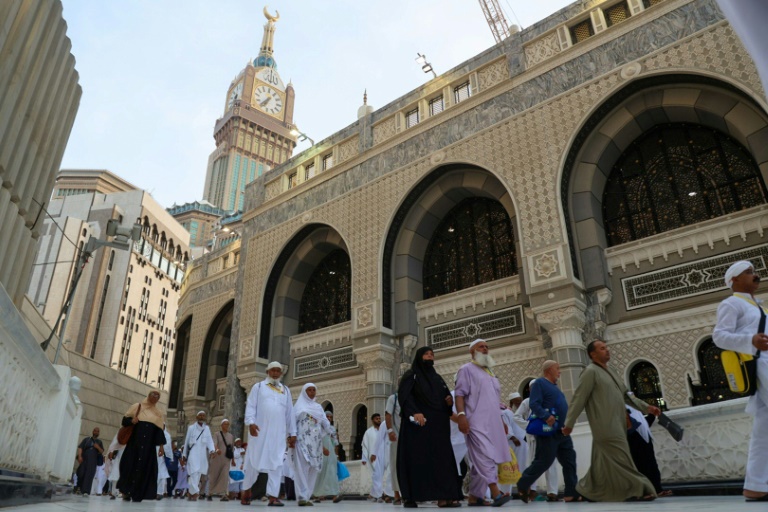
(162, 468)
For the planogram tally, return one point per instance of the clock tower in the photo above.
(254, 134)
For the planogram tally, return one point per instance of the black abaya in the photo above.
(644, 456)
(426, 469)
(138, 464)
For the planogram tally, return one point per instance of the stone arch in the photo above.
(359, 421)
(630, 378)
(180, 354)
(412, 227)
(285, 286)
(624, 117)
(215, 355)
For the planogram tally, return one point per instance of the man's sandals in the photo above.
(498, 501)
(274, 502)
(245, 497)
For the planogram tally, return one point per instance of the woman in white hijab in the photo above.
(311, 426)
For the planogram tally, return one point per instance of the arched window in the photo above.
(327, 296)
(676, 175)
(714, 385)
(474, 244)
(361, 425)
(644, 383)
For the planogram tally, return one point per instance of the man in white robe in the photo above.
(382, 481)
(738, 328)
(162, 467)
(392, 422)
(194, 456)
(112, 466)
(269, 417)
(370, 445)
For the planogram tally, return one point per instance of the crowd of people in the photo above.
(431, 438)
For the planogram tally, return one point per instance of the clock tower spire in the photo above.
(254, 134)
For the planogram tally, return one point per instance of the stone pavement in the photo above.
(673, 504)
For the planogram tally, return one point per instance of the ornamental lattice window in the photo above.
(645, 384)
(474, 244)
(327, 296)
(676, 175)
(713, 385)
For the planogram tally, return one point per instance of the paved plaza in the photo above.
(677, 504)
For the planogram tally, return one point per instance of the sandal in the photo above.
(479, 503)
(574, 499)
(664, 494)
(501, 499)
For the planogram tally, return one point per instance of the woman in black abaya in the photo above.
(426, 469)
(138, 464)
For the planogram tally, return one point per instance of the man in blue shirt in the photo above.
(548, 402)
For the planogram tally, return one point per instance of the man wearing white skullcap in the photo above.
(738, 328)
(478, 396)
(218, 472)
(269, 417)
(515, 434)
(194, 455)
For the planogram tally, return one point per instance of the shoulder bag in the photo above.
(125, 433)
(741, 369)
(229, 452)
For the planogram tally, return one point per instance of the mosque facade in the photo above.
(590, 176)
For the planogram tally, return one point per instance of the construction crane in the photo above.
(495, 18)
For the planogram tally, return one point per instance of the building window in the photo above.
(651, 3)
(713, 385)
(412, 118)
(474, 244)
(111, 260)
(99, 316)
(436, 105)
(327, 161)
(361, 425)
(644, 383)
(309, 172)
(292, 180)
(616, 13)
(461, 92)
(676, 175)
(327, 296)
(582, 31)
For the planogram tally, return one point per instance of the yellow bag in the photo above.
(741, 371)
(509, 472)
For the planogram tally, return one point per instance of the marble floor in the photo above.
(676, 504)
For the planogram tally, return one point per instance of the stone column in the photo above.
(377, 362)
(565, 326)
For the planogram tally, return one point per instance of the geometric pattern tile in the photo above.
(324, 362)
(489, 326)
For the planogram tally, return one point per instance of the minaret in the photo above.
(365, 108)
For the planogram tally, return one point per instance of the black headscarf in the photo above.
(428, 386)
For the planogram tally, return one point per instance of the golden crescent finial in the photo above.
(270, 17)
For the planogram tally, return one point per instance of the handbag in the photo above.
(125, 433)
(229, 452)
(236, 475)
(539, 427)
(675, 430)
(741, 369)
(341, 471)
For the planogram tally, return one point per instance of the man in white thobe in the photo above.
(521, 414)
(370, 446)
(382, 481)
(162, 468)
(392, 422)
(739, 318)
(269, 417)
(194, 456)
(112, 466)
(515, 438)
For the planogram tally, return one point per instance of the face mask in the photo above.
(428, 363)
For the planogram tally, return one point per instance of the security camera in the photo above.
(115, 229)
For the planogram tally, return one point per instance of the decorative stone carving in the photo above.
(541, 50)
(547, 266)
(246, 347)
(327, 337)
(348, 149)
(306, 217)
(565, 318)
(366, 316)
(437, 157)
(324, 362)
(631, 70)
(492, 74)
(189, 388)
(485, 296)
(489, 326)
(384, 130)
(272, 189)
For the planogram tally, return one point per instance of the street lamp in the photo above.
(123, 238)
(302, 136)
(425, 66)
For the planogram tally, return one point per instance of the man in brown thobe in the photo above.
(219, 466)
(612, 475)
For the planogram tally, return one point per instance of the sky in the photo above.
(155, 73)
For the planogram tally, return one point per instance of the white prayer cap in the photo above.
(199, 413)
(513, 395)
(478, 340)
(274, 364)
(225, 420)
(237, 439)
(329, 413)
(734, 270)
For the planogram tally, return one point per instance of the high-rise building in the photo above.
(254, 134)
(199, 218)
(71, 182)
(124, 308)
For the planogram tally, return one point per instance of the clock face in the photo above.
(268, 99)
(235, 95)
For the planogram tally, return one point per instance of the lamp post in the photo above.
(301, 135)
(425, 66)
(122, 240)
